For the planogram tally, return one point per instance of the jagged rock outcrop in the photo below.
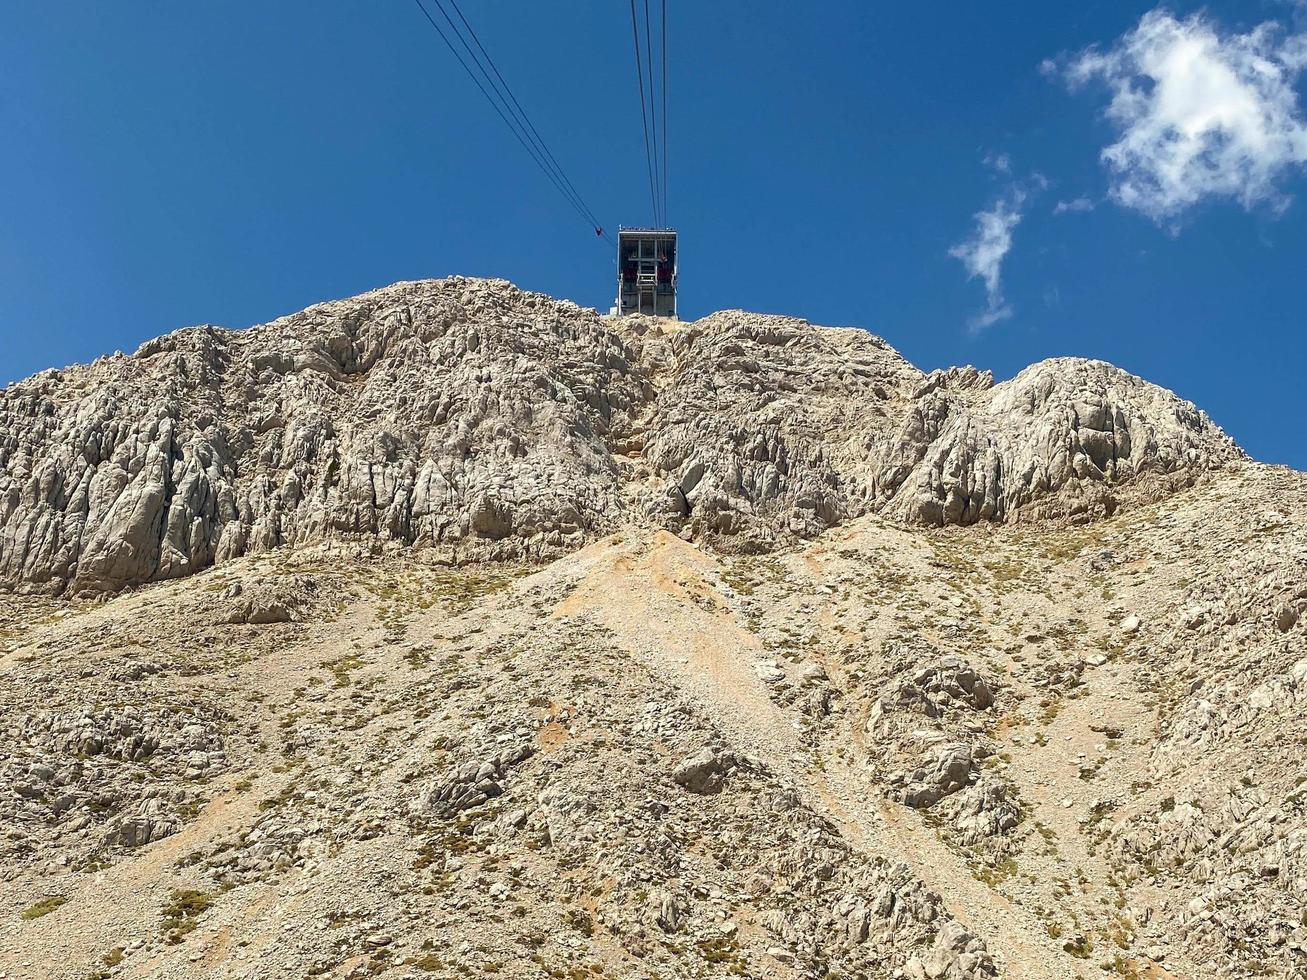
(1062, 438)
(83, 771)
(469, 416)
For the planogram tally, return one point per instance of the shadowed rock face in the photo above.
(469, 416)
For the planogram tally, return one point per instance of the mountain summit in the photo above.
(485, 422)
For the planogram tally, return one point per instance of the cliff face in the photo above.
(471, 417)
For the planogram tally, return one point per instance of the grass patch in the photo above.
(181, 914)
(427, 963)
(44, 907)
(996, 875)
(341, 668)
(1050, 712)
(1080, 947)
(720, 951)
(580, 920)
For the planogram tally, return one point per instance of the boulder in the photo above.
(705, 772)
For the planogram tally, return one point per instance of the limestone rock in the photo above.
(476, 780)
(353, 757)
(705, 771)
(484, 422)
(946, 771)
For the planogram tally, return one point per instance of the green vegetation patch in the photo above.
(44, 907)
(182, 913)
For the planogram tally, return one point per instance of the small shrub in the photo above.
(1079, 947)
(580, 920)
(181, 914)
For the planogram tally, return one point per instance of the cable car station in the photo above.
(646, 272)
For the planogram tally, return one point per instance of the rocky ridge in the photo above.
(484, 422)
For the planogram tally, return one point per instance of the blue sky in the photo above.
(173, 164)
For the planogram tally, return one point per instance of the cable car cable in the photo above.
(579, 208)
(504, 89)
(541, 151)
(498, 95)
(495, 105)
(520, 111)
(653, 107)
(666, 220)
(644, 116)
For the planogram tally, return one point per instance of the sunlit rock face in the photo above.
(489, 423)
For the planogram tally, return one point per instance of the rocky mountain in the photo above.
(452, 630)
(483, 422)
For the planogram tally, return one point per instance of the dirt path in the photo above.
(657, 600)
(878, 826)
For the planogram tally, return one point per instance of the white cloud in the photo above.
(1200, 113)
(1076, 205)
(983, 253)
